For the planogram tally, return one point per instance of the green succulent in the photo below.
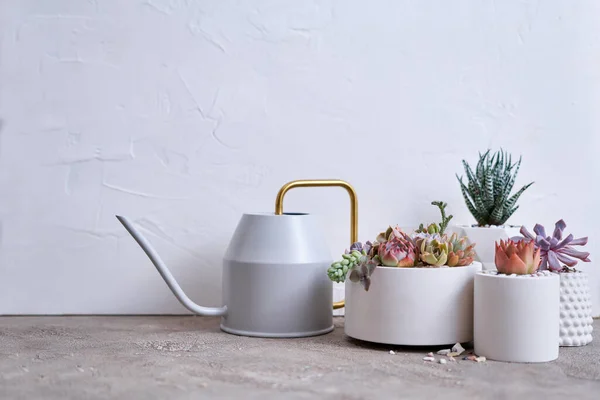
(460, 252)
(437, 228)
(434, 251)
(487, 191)
(338, 270)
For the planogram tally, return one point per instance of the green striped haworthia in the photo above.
(487, 190)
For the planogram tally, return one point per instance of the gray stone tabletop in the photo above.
(187, 357)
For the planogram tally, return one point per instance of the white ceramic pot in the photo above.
(485, 239)
(413, 306)
(576, 323)
(516, 317)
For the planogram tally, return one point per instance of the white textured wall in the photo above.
(183, 114)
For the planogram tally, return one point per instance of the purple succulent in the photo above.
(554, 249)
(360, 247)
(362, 272)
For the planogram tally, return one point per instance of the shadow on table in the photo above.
(348, 341)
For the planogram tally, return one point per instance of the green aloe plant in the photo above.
(488, 188)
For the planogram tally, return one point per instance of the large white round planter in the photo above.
(413, 306)
(576, 323)
(516, 317)
(485, 239)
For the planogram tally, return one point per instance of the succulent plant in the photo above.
(517, 257)
(363, 248)
(556, 251)
(338, 270)
(394, 248)
(487, 192)
(362, 271)
(398, 250)
(437, 228)
(433, 251)
(383, 237)
(459, 253)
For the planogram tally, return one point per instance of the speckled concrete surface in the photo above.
(188, 357)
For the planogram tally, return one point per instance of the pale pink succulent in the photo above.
(398, 251)
(519, 257)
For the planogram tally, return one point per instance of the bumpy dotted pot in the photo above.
(575, 309)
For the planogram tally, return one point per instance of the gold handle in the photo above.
(325, 183)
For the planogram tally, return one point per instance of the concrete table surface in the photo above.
(186, 357)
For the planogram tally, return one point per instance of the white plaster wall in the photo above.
(184, 114)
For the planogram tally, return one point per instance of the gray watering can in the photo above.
(275, 282)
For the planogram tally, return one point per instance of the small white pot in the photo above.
(413, 306)
(576, 323)
(516, 317)
(484, 238)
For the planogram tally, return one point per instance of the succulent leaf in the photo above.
(339, 269)
(362, 271)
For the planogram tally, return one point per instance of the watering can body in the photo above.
(274, 272)
(274, 280)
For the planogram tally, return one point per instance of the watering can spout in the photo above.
(166, 274)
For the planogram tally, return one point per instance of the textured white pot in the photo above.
(516, 317)
(575, 309)
(485, 239)
(413, 306)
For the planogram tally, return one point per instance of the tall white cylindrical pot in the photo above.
(413, 306)
(485, 238)
(516, 317)
(576, 323)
